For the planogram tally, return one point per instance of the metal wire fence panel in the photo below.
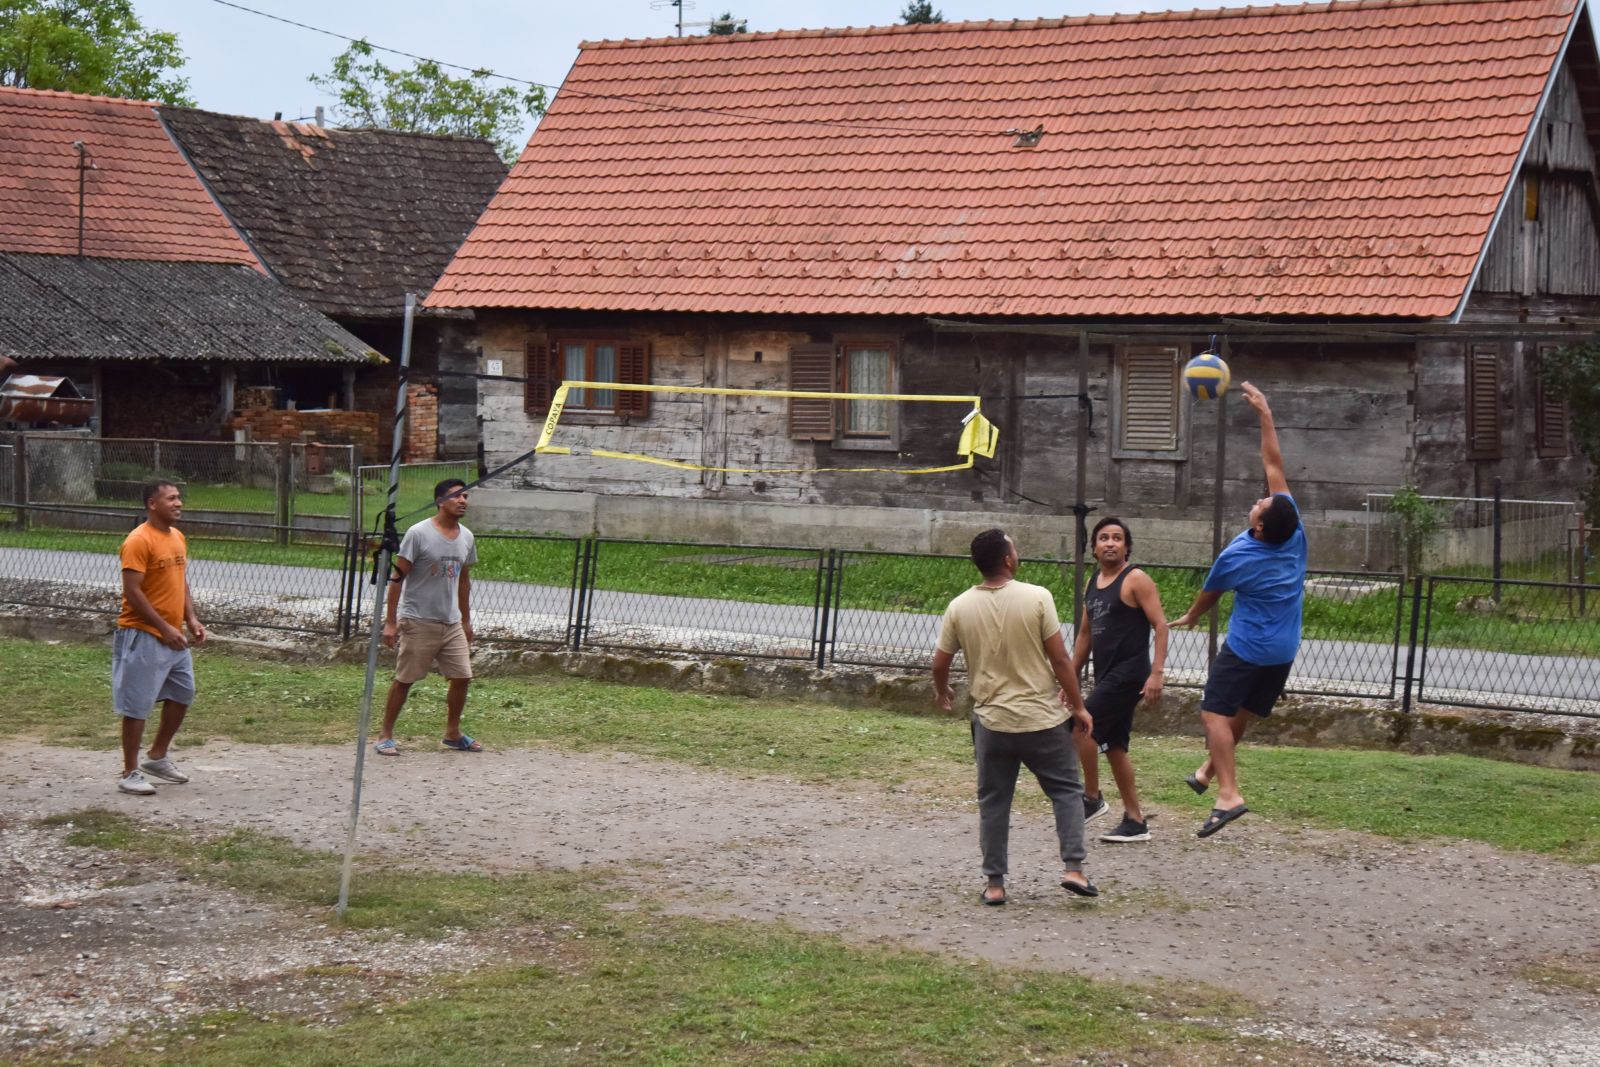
(886, 606)
(215, 476)
(725, 600)
(416, 489)
(238, 573)
(322, 491)
(1530, 538)
(524, 588)
(1513, 645)
(1350, 635)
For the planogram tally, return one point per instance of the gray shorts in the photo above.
(145, 672)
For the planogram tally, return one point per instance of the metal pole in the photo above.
(1080, 508)
(380, 575)
(1411, 645)
(1216, 504)
(1497, 503)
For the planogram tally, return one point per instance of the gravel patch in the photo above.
(1386, 952)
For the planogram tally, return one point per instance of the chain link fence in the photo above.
(240, 573)
(1463, 641)
(1513, 645)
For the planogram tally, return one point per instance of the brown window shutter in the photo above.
(1150, 398)
(633, 368)
(812, 370)
(1483, 402)
(1550, 414)
(539, 359)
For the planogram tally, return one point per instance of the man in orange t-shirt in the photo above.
(150, 659)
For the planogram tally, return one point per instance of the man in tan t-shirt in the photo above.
(1022, 686)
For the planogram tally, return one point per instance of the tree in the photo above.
(424, 99)
(920, 12)
(89, 46)
(725, 25)
(1573, 374)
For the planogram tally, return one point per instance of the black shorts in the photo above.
(1235, 683)
(1111, 704)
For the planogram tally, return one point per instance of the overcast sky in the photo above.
(244, 64)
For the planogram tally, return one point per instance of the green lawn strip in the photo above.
(65, 689)
(633, 984)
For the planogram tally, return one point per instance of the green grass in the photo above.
(1509, 805)
(596, 983)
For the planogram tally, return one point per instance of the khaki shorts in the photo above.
(423, 644)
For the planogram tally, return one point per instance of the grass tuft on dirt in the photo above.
(598, 983)
(1508, 805)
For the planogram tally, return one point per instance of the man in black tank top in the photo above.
(1121, 607)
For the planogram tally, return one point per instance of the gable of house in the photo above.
(352, 220)
(1341, 160)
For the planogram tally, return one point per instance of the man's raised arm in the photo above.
(1271, 456)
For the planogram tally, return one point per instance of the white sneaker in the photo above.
(136, 784)
(164, 769)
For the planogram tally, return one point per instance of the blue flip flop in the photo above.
(461, 744)
(386, 747)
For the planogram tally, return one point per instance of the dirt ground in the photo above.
(1385, 952)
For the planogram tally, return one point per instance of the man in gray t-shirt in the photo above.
(429, 617)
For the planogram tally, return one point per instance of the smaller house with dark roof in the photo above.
(118, 270)
(1386, 210)
(350, 221)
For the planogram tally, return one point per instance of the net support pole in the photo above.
(1216, 504)
(380, 578)
(1080, 509)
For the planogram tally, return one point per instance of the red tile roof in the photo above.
(1342, 159)
(142, 201)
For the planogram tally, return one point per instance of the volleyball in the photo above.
(1206, 376)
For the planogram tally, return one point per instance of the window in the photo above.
(1149, 417)
(849, 365)
(1549, 414)
(1483, 402)
(587, 359)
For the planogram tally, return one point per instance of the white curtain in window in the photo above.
(605, 370)
(576, 370)
(868, 372)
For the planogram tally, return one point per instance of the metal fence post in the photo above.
(19, 480)
(824, 599)
(581, 602)
(1411, 644)
(1497, 530)
(283, 484)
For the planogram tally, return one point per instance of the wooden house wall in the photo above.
(1344, 416)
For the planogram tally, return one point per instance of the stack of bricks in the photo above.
(422, 423)
(358, 428)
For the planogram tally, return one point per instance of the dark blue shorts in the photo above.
(1235, 683)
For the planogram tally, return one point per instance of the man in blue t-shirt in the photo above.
(1265, 566)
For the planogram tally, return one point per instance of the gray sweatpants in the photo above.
(1053, 759)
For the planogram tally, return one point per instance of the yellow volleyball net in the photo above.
(767, 431)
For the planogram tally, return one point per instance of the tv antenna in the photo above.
(658, 5)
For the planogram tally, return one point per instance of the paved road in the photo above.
(245, 592)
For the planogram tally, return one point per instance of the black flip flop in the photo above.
(1196, 784)
(993, 902)
(1219, 818)
(1087, 889)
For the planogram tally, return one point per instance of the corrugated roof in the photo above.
(141, 200)
(351, 219)
(1342, 159)
(63, 307)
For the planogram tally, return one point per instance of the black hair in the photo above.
(989, 551)
(442, 490)
(152, 489)
(1279, 520)
(1112, 520)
